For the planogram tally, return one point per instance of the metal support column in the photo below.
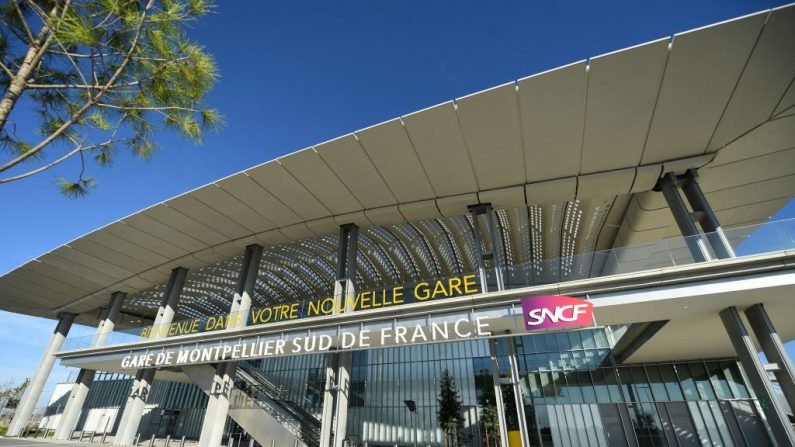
(517, 391)
(224, 381)
(327, 415)
(684, 220)
(344, 360)
(703, 214)
(347, 252)
(40, 376)
(498, 402)
(774, 350)
(335, 398)
(757, 377)
(485, 209)
(136, 400)
(85, 378)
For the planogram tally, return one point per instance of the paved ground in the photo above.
(41, 442)
(26, 442)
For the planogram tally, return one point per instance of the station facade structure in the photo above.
(554, 244)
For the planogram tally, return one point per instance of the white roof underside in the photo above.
(720, 98)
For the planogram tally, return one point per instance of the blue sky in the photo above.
(298, 73)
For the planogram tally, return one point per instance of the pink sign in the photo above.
(555, 311)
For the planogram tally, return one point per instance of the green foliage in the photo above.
(449, 414)
(490, 422)
(74, 190)
(112, 74)
(13, 391)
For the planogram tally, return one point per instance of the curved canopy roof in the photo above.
(568, 156)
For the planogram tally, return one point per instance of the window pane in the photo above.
(611, 378)
(588, 340)
(600, 386)
(563, 341)
(687, 382)
(575, 340)
(718, 380)
(601, 338)
(702, 381)
(642, 389)
(735, 380)
(657, 383)
(586, 387)
(671, 382)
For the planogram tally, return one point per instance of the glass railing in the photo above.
(750, 240)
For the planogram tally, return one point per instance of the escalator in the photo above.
(284, 406)
(261, 409)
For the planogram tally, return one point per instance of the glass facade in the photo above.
(572, 394)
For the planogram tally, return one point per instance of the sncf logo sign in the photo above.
(553, 311)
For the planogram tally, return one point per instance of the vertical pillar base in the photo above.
(77, 397)
(327, 415)
(774, 350)
(39, 379)
(218, 405)
(134, 409)
(498, 402)
(344, 361)
(757, 376)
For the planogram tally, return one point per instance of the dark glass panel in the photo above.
(642, 389)
(718, 380)
(601, 338)
(573, 387)
(611, 379)
(735, 380)
(657, 383)
(685, 431)
(600, 386)
(532, 426)
(544, 427)
(687, 382)
(546, 343)
(586, 386)
(588, 339)
(671, 382)
(574, 340)
(563, 341)
(701, 378)
(560, 386)
(627, 384)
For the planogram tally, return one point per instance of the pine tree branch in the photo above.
(79, 113)
(63, 158)
(80, 86)
(153, 108)
(23, 21)
(8, 72)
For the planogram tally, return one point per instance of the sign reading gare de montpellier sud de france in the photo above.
(547, 312)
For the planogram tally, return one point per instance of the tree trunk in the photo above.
(17, 84)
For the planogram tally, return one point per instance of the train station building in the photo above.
(587, 252)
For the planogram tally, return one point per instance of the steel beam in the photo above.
(774, 350)
(485, 209)
(683, 218)
(704, 215)
(757, 377)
